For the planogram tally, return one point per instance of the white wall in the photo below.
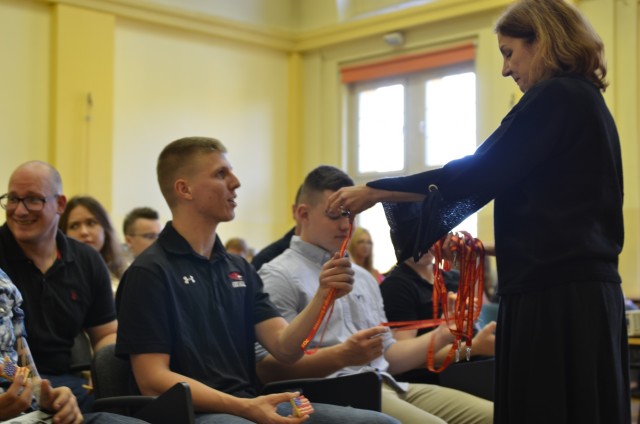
(24, 103)
(170, 84)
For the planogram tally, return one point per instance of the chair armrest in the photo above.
(125, 405)
(362, 390)
(173, 406)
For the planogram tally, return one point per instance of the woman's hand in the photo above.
(352, 200)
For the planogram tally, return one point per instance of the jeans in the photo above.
(323, 414)
(105, 418)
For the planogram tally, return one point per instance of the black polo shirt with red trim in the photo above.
(74, 294)
(201, 311)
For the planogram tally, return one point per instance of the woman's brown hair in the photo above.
(567, 43)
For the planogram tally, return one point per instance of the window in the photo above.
(407, 124)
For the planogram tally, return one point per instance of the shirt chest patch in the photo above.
(237, 280)
(188, 279)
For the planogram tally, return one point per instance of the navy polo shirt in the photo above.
(201, 311)
(74, 293)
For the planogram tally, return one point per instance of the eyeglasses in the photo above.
(31, 203)
(147, 236)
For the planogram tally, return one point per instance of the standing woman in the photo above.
(86, 220)
(553, 167)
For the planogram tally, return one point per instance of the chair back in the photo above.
(111, 375)
(81, 353)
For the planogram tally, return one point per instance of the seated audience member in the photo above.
(407, 292)
(278, 246)
(141, 227)
(189, 311)
(237, 246)
(354, 341)
(25, 394)
(361, 252)
(65, 284)
(86, 220)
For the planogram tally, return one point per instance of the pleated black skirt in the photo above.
(562, 356)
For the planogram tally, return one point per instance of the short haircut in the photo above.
(178, 159)
(567, 43)
(296, 200)
(322, 178)
(134, 215)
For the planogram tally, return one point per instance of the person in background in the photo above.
(407, 292)
(361, 252)
(554, 170)
(354, 340)
(237, 246)
(278, 246)
(141, 227)
(85, 219)
(64, 283)
(191, 312)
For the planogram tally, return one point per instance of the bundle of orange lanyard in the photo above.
(468, 254)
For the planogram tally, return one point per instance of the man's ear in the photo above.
(182, 189)
(301, 212)
(61, 202)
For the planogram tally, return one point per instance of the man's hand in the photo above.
(337, 274)
(263, 409)
(363, 347)
(61, 402)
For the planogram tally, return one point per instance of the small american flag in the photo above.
(9, 370)
(301, 406)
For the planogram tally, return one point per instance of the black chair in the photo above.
(475, 377)
(112, 377)
(81, 354)
(363, 390)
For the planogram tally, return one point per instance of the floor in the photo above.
(635, 407)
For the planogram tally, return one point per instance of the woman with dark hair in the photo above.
(554, 169)
(86, 220)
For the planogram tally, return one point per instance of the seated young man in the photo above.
(354, 341)
(190, 312)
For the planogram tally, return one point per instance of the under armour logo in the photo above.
(188, 279)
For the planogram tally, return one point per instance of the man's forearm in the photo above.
(298, 330)
(105, 341)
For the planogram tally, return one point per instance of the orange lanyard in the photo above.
(470, 254)
(327, 305)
